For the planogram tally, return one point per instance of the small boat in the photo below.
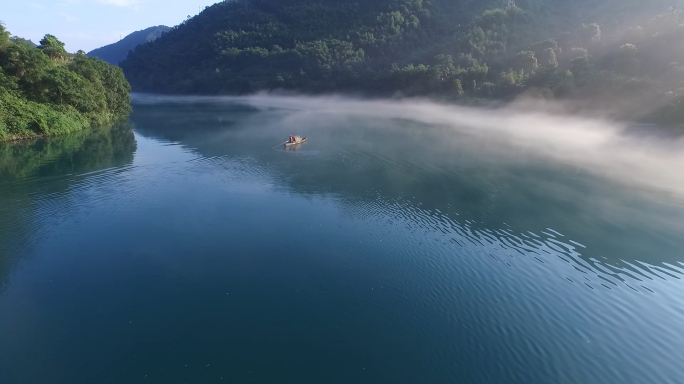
(297, 140)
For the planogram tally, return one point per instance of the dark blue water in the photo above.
(384, 250)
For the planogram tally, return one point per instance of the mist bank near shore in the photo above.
(637, 155)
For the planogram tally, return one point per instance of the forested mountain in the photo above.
(46, 91)
(117, 52)
(470, 49)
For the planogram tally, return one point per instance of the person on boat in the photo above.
(292, 139)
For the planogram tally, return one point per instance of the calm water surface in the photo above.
(191, 250)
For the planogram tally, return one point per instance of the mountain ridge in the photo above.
(115, 53)
(588, 51)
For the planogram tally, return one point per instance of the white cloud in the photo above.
(120, 3)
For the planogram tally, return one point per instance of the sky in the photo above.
(90, 24)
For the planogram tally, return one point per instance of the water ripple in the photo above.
(544, 247)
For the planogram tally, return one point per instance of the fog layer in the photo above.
(637, 155)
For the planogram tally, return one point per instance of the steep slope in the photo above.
(117, 52)
(46, 91)
(451, 49)
(242, 45)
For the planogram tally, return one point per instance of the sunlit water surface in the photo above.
(384, 250)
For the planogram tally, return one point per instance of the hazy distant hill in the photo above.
(117, 52)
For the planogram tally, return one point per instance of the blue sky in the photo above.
(90, 24)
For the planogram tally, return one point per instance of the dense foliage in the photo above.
(46, 91)
(117, 52)
(449, 49)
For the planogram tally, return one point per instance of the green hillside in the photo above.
(117, 52)
(46, 91)
(448, 49)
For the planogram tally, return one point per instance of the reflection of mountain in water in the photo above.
(50, 167)
(474, 193)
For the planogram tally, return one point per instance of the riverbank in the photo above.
(46, 91)
(26, 120)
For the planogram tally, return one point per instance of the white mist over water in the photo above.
(599, 146)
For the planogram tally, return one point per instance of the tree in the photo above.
(444, 66)
(467, 60)
(526, 61)
(65, 87)
(548, 59)
(579, 65)
(511, 78)
(564, 84)
(4, 37)
(541, 46)
(52, 47)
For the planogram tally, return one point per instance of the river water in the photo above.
(189, 247)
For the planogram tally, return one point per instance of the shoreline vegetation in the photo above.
(623, 57)
(45, 91)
